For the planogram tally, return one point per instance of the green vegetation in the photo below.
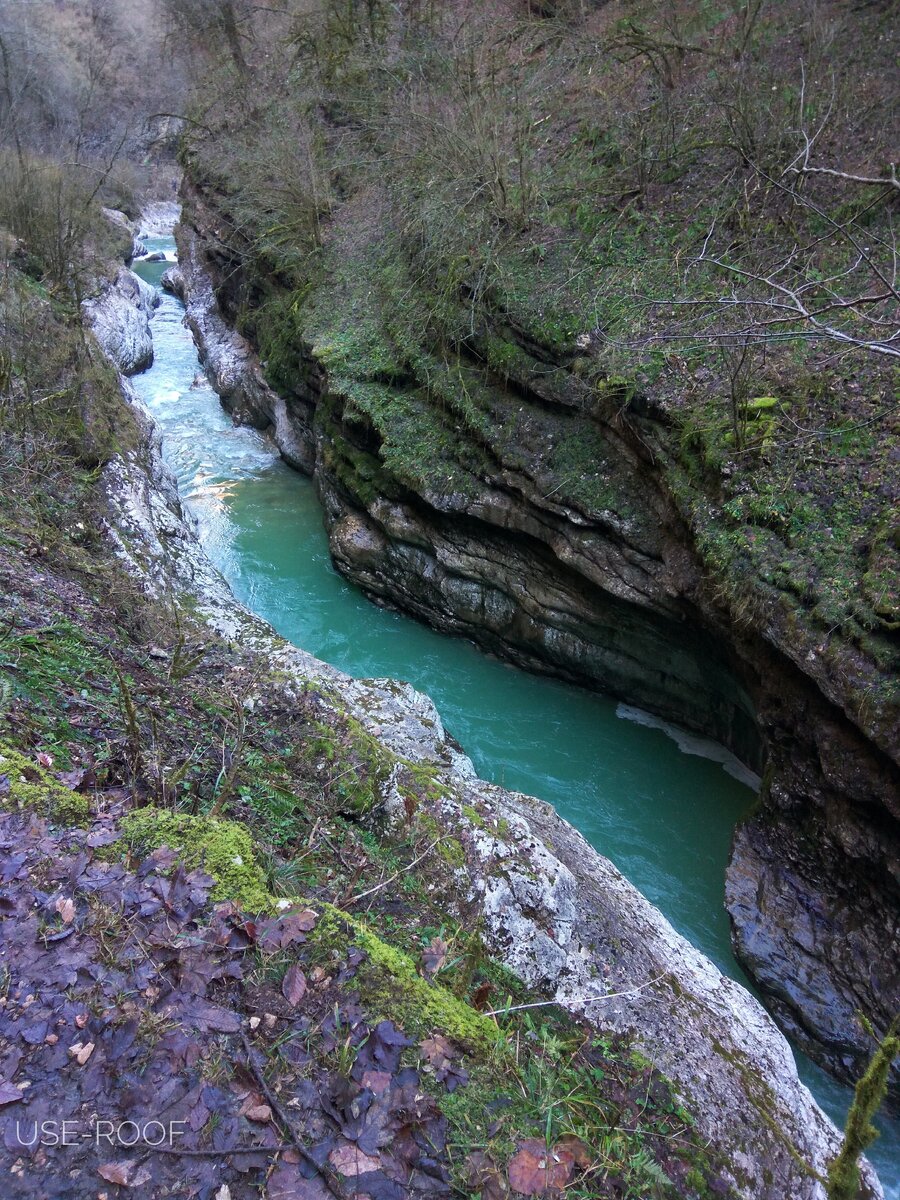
(843, 1174)
(358, 766)
(504, 270)
(29, 786)
(144, 737)
(224, 849)
(291, 830)
(394, 989)
(61, 414)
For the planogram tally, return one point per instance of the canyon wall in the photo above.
(603, 586)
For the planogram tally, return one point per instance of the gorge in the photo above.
(450, 598)
(664, 819)
(574, 592)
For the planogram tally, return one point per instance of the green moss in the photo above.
(391, 987)
(224, 849)
(425, 779)
(473, 816)
(452, 853)
(760, 404)
(449, 848)
(31, 787)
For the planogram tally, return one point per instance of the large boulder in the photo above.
(120, 320)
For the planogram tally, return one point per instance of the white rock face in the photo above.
(158, 219)
(559, 914)
(232, 365)
(120, 320)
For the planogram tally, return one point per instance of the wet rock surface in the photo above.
(789, 922)
(232, 366)
(120, 320)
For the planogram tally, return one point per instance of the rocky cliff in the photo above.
(469, 504)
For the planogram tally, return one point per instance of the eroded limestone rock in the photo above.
(120, 320)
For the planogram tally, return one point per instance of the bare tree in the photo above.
(838, 281)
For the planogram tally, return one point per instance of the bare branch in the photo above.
(886, 180)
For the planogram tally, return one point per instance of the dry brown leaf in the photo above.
(115, 1172)
(66, 909)
(349, 1160)
(580, 1152)
(259, 1112)
(293, 986)
(437, 1050)
(126, 1174)
(534, 1169)
(377, 1081)
(434, 956)
(484, 1177)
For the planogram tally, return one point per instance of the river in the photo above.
(660, 803)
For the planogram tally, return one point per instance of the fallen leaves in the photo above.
(439, 1054)
(534, 1169)
(483, 1177)
(81, 1052)
(128, 1174)
(187, 974)
(434, 956)
(279, 932)
(350, 1161)
(9, 1093)
(293, 986)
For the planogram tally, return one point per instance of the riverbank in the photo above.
(530, 422)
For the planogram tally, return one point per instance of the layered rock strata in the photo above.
(617, 598)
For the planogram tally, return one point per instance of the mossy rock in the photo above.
(29, 786)
(881, 582)
(759, 406)
(360, 766)
(224, 849)
(391, 987)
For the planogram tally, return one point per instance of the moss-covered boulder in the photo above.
(224, 849)
(24, 784)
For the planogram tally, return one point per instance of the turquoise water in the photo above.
(663, 815)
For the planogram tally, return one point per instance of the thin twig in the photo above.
(211, 1153)
(502, 1012)
(327, 1172)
